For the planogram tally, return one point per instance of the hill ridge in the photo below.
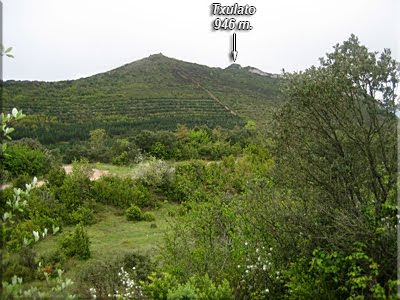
(156, 93)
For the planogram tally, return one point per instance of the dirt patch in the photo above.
(5, 186)
(94, 173)
(67, 168)
(97, 174)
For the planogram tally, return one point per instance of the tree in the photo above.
(335, 143)
(97, 138)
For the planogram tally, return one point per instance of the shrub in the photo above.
(83, 214)
(44, 209)
(56, 176)
(21, 180)
(121, 192)
(76, 188)
(121, 159)
(166, 286)
(23, 265)
(76, 243)
(139, 264)
(183, 292)
(149, 217)
(134, 213)
(104, 276)
(335, 275)
(15, 235)
(22, 159)
(154, 172)
(159, 285)
(141, 195)
(54, 259)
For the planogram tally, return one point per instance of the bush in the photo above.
(21, 180)
(14, 236)
(166, 286)
(139, 264)
(121, 192)
(83, 214)
(101, 275)
(23, 265)
(44, 210)
(104, 276)
(159, 285)
(22, 159)
(56, 176)
(183, 292)
(154, 172)
(76, 243)
(121, 159)
(134, 213)
(334, 275)
(54, 259)
(149, 217)
(76, 188)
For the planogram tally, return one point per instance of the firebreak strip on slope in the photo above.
(180, 73)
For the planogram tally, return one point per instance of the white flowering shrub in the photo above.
(154, 172)
(128, 287)
(260, 277)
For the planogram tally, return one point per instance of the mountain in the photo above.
(153, 93)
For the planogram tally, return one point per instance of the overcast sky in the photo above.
(68, 39)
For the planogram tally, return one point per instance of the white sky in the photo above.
(68, 39)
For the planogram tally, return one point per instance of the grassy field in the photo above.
(121, 171)
(113, 235)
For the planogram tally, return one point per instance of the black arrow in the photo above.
(234, 52)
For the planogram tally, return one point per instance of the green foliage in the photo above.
(134, 213)
(15, 235)
(22, 159)
(21, 180)
(121, 159)
(44, 210)
(204, 241)
(82, 214)
(23, 265)
(335, 144)
(56, 176)
(97, 138)
(76, 243)
(148, 217)
(332, 275)
(155, 93)
(159, 285)
(276, 213)
(53, 260)
(105, 275)
(165, 286)
(6, 51)
(121, 192)
(55, 288)
(76, 188)
(199, 136)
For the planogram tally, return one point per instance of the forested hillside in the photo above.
(153, 93)
(304, 208)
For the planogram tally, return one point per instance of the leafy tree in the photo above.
(335, 143)
(97, 138)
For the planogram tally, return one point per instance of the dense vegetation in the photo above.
(155, 93)
(303, 209)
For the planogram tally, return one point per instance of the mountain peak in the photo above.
(156, 55)
(234, 67)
